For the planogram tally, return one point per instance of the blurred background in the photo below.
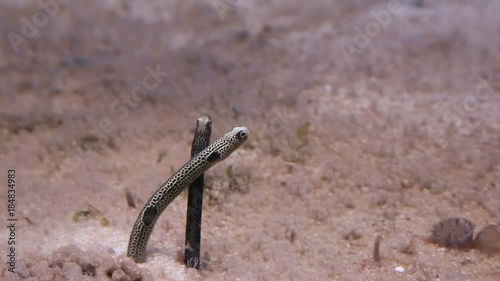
(366, 118)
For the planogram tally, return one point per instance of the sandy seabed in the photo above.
(367, 118)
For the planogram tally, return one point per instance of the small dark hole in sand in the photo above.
(291, 235)
(88, 269)
(59, 263)
(242, 35)
(109, 273)
(87, 141)
(353, 235)
(111, 144)
(130, 199)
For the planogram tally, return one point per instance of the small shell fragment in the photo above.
(488, 239)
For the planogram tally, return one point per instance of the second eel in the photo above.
(201, 140)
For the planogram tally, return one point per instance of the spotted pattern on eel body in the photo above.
(214, 153)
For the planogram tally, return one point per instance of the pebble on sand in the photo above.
(399, 269)
(488, 239)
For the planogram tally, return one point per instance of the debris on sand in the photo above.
(456, 233)
(488, 239)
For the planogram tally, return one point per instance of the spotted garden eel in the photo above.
(201, 140)
(194, 168)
